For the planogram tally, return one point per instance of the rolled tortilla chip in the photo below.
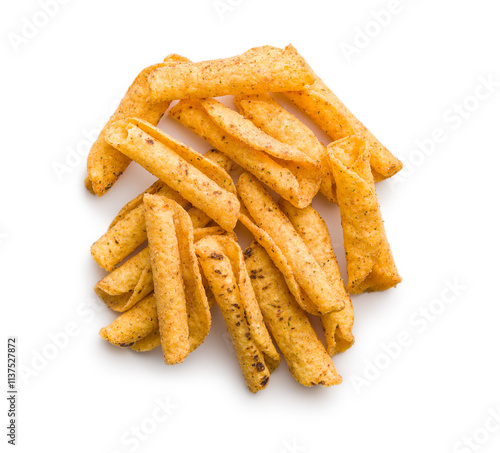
(132, 204)
(128, 284)
(197, 179)
(168, 281)
(279, 259)
(133, 280)
(275, 121)
(221, 160)
(105, 163)
(337, 325)
(305, 170)
(289, 325)
(306, 270)
(148, 343)
(222, 262)
(133, 325)
(286, 170)
(338, 122)
(370, 264)
(259, 70)
(182, 306)
(198, 217)
(128, 229)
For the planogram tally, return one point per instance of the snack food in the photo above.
(306, 270)
(192, 261)
(198, 180)
(121, 289)
(105, 164)
(222, 262)
(132, 281)
(181, 304)
(289, 325)
(148, 343)
(319, 102)
(286, 170)
(370, 264)
(128, 229)
(275, 121)
(133, 325)
(259, 70)
(337, 325)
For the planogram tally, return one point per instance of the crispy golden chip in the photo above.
(275, 121)
(259, 70)
(197, 179)
(221, 160)
(148, 343)
(338, 122)
(133, 325)
(156, 187)
(370, 264)
(305, 170)
(128, 284)
(198, 217)
(337, 325)
(88, 185)
(168, 280)
(280, 261)
(222, 262)
(133, 280)
(306, 270)
(304, 353)
(105, 163)
(283, 168)
(182, 306)
(128, 229)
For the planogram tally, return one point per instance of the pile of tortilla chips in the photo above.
(172, 253)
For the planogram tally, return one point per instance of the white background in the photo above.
(440, 215)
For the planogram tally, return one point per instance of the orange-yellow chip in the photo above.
(133, 325)
(223, 266)
(289, 325)
(182, 306)
(259, 70)
(200, 181)
(105, 164)
(275, 121)
(370, 264)
(128, 229)
(319, 102)
(285, 169)
(323, 298)
(337, 325)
